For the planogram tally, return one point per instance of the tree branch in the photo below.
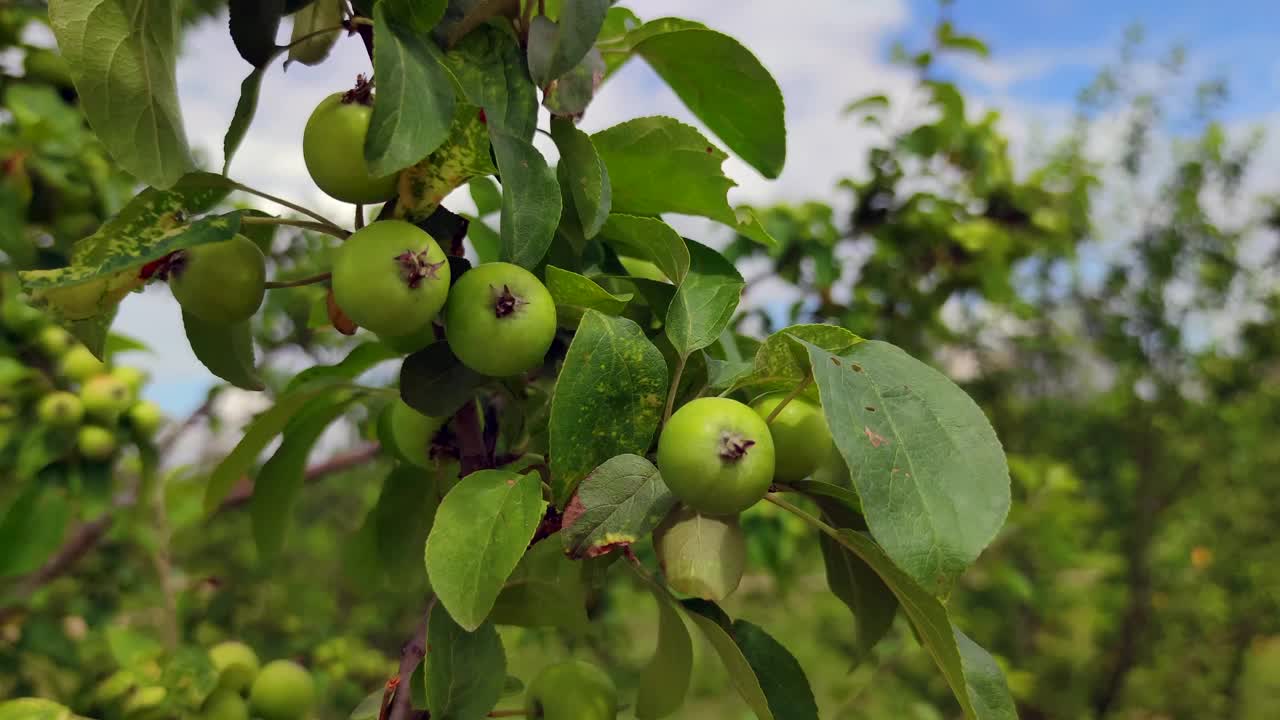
(411, 656)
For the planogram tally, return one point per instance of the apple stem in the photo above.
(310, 280)
(285, 203)
(304, 224)
(675, 387)
(790, 396)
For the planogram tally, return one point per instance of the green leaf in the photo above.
(317, 16)
(481, 531)
(41, 448)
(254, 24)
(862, 591)
(413, 108)
(987, 687)
(484, 240)
(465, 669)
(34, 709)
(649, 239)
(434, 382)
(575, 294)
(32, 528)
(530, 199)
(948, 38)
(927, 465)
(226, 350)
(370, 708)
(660, 165)
(619, 503)
(405, 512)
(716, 628)
(421, 16)
(867, 102)
(489, 69)
(13, 238)
(781, 677)
(575, 33)
(705, 300)
(723, 85)
(122, 55)
(608, 399)
(664, 682)
(189, 676)
(570, 95)
(584, 173)
(782, 360)
(545, 590)
(277, 484)
(259, 433)
(132, 648)
(487, 196)
(463, 156)
(361, 358)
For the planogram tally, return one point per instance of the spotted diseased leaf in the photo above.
(925, 461)
(782, 360)
(571, 93)
(226, 350)
(465, 155)
(575, 294)
(660, 165)
(704, 302)
(489, 69)
(559, 45)
(122, 55)
(481, 531)
(608, 399)
(465, 669)
(619, 503)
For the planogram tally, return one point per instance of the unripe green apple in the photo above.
(391, 277)
(222, 282)
(237, 665)
(408, 433)
(130, 376)
(53, 341)
(801, 438)
(79, 364)
(225, 705)
(333, 150)
(145, 703)
(20, 318)
(96, 443)
(105, 397)
(717, 456)
(146, 417)
(283, 690)
(572, 690)
(701, 555)
(500, 319)
(60, 409)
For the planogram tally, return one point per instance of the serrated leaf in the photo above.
(649, 239)
(276, 485)
(254, 24)
(594, 415)
(705, 300)
(481, 531)
(226, 350)
(414, 106)
(434, 382)
(490, 72)
(545, 590)
(122, 55)
(664, 681)
(927, 466)
(723, 85)
(317, 16)
(463, 156)
(585, 175)
(487, 196)
(660, 165)
(530, 200)
(619, 503)
(465, 670)
(257, 435)
(575, 294)
(361, 358)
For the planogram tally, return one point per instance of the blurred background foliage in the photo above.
(1109, 299)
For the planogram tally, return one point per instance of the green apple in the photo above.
(224, 705)
(130, 376)
(79, 364)
(145, 417)
(717, 456)
(283, 690)
(701, 555)
(801, 438)
(145, 703)
(60, 409)
(96, 443)
(20, 318)
(53, 341)
(572, 690)
(222, 282)
(500, 320)
(237, 665)
(105, 397)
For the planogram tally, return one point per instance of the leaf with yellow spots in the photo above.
(463, 156)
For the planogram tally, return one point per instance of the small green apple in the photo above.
(408, 433)
(130, 376)
(701, 555)
(801, 438)
(237, 665)
(20, 318)
(53, 341)
(105, 397)
(96, 443)
(224, 705)
(79, 364)
(146, 417)
(283, 690)
(572, 690)
(60, 409)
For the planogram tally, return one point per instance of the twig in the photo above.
(790, 396)
(311, 280)
(304, 224)
(411, 656)
(359, 216)
(281, 201)
(675, 387)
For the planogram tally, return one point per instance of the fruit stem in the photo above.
(333, 230)
(790, 396)
(281, 201)
(311, 280)
(675, 386)
(359, 216)
(820, 526)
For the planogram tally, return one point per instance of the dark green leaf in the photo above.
(716, 628)
(664, 682)
(420, 16)
(530, 199)
(608, 399)
(649, 239)
(434, 382)
(724, 85)
(465, 670)
(927, 465)
(254, 24)
(226, 350)
(32, 528)
(619, 503)
(546, 589)
(481, 531)
(575, 294)
(858, 587)
(277, 484)
(318, 15)
(705, 300)
(570, 38)
(490, 71)
(404, 515)
(585, 175)
(781, 677)
(413, 108)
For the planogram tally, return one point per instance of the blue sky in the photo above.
(1043, 52)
